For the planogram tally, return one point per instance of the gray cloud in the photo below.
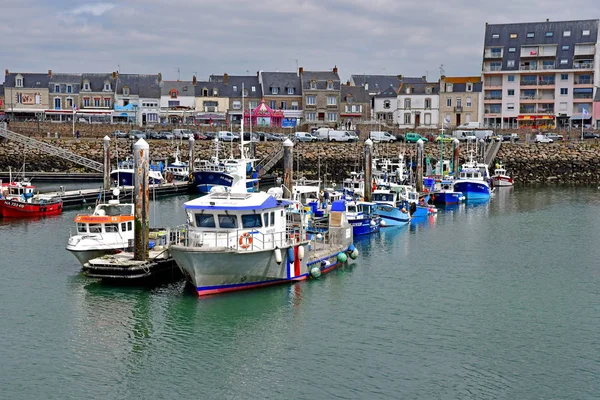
(235, 36)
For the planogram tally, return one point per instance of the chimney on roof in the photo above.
(424, 78)
(399, 77)
(6, 72)
(159, 77)
(225, 79)
(547, 19)
(194, 80)
(348, 82)
(114, 74)
(300, 70)
(50, 73)
(335, 69)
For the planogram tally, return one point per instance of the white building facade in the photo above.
(418, 104)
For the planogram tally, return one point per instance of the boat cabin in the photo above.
(355, 184)
(385, 196)
(107, 218)
(18, 192)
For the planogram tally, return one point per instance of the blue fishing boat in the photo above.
(445, 193)
(390, 208)
(124, 174)
(363, 218)
(473, 181)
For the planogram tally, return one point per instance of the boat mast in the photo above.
(242, 153)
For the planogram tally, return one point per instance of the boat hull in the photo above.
(84, 256)
(19, 209)
(422, 212)
(473, 190)
(365, 226)
(205, 181)
(126, 178)
(447, 197)
(393, 216)
(502, 180)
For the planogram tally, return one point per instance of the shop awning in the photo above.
(534, 117)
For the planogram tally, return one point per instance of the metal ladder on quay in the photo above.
(491, 153)
(50, 149)
(270, 160)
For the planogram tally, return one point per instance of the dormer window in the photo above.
(428, 90)
(204, 92)
(408, 90)
(234, 88)
(469, 87)
(246, 91)
(387, 104)
(253, 89)
(448, 87)
(313, 84)
(106, 86)
(19, 81)
(56, 88)
(349, 99)
(329, 85)
(173, 93)
(69, 89)
(215, 92)
(290, 90)
(86, 85)
(125, 90)
(274, 90)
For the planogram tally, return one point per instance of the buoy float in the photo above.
(351, 247)
(383, 223)
(319, 236)
(300, 252)
(403, 210)
(341, 257)
(278, 258)
(354, 254)
(373, 223)
(325, 263)
(315, 272)
(290, 255)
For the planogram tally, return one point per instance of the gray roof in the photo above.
(97, 81)
(419, 85)
(321, 77)
(2, 89)
(282, 81)
(377, 82)
(359, 94)
(184, 88)
(539, 31)
(143, 85)
(389, 92)
(227, 90)
(30, 81)
(73, 80)
(462, 87)
(597, 97)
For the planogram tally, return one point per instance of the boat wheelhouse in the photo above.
(389, 207)
(500, 177)
(473, 181)
(363, 217)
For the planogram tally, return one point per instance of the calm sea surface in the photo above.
(496, 300)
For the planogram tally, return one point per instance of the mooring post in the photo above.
(482, 150)
(288, 168)
(191, 154)
(252, 148)
(368, 166)
(456, 151)
(141, 151)
(419, 183)
(106, 175)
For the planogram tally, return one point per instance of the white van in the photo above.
(381, 136)
(227, 136)
(463, 135)
(182, 133)
(332, 135)
(305, 137)
(470, 125)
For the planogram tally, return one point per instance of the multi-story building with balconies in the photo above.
(540, 74)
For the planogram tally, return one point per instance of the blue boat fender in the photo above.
(354, 254)
(351, 247)
(290, 255)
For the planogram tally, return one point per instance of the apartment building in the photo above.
(540, 74)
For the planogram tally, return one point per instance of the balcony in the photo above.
(527, 110)
(492, 68)
(458, 109)
(583, 65)
(583, 81)
(582, 96)
(489, 83)
(497, 110)
(546, 82)
(495, 53)
(528, 67)
(585, 50)
(491, 98)
(529, 82)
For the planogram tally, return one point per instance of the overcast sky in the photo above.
(234, 36)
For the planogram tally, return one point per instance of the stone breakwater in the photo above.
(577, 163)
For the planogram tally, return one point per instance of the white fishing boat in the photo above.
(500, 177)
(177, 170)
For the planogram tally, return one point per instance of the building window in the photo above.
(564, 91)
(313, 84)
(408, 90)
(173, 103)
(564, 77)
(349, 99)
(311, 100)
(496, 36)
(510, 106)
(566, 33)
(311, 116)
(565, 47)
(428, 104)
(387, 104)
(329, 85)
(290, 90)
(56, 88)
(273, 104)
(19, 82)
(468, 102)
(253, 89)
(458, 102)
(274, 90)
(448, 87)
(510, 64)
(530, 35)
(204, 92)
(69, 89)
(96, 102)
(469, 87)
(331, 117)
(427, 119)
(449, 102)
(107, 103)
(70, 103)
(564, 61)
(215, 92)
(126, 92)
(283, 105)
(511, 92)
(86, 85)
(331, 100)
(253, 104)
(245, 92)
(514, 36)
(172, 93)
(294, 105)
(549, 34)
(407, 118)
(586, 32)
(407, 104)
(511, 78)
(428, 90)
(234, 88)
(107, 86)
(512, 49)
(86, 101)
(236, 105)
(57, 103)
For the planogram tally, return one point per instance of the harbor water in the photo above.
(482, 301)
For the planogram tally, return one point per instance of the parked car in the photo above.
(182, 133)
(412, 137)
(590, 135)
(166, 135)
(210, 135)
(135, 134)
(540, 138)
(227, 136)
(199, 135)
(120, 134)
(380, 136)
(444, 139)
(153, 134)
(513, 137)
(305, 137)
(555, 137)
(278, 137)
(400, 137)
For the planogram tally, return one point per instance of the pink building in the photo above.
(263, 115)
(596, 112)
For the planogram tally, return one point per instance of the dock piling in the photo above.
(368, 166)
(419, 183)
(141, 151)
(106, 172)
(288, 168)
(456, 152)
(191, 153)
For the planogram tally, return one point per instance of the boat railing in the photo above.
(241, 239)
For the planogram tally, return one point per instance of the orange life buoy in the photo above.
(245, 240)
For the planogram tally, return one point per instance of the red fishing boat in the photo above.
(17, 200)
